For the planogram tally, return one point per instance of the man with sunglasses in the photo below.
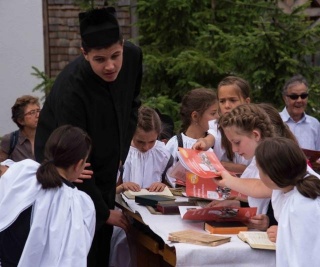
(305, 128)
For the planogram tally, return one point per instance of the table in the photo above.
(234, 253)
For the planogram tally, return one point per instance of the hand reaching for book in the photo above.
(224, 203)
(225, 179)
(259, 222)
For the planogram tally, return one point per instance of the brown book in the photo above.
(258, 240)
(225, 228)
(172, 207)
(198, 238)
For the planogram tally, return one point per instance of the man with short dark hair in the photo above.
(98, 92)
(305, 128)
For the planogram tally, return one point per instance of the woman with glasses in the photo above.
(19, 144)
(305, 128)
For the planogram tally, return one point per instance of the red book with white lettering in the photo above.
(201, 168)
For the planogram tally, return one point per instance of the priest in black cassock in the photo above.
(98, 92)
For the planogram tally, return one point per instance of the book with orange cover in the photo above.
(201, 168)
(224, 228)
(202, 163)
(218, 214)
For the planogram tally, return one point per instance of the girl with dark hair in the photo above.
(44, 219)
(295, 197)
(198, 107)
(232, 91)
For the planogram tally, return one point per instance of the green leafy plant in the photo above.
(46, 82)
(193, 43)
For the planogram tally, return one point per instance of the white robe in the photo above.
(298, 240)
(145, 168)
(62, 220)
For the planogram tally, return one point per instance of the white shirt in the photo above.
(307, 130)
(298, 220)
(62, 222)
(261, 203)
(219, 150)
(145, 168)
(172, 147)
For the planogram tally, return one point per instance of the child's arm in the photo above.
(247, 186)
(204, 143)
(234, 167)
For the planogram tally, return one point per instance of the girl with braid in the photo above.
(295, 197)
(245, 127)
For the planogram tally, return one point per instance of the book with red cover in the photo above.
(218, 214)
(202, 163)
(201, 168)
(206, 188)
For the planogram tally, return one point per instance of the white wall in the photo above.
(21, 47)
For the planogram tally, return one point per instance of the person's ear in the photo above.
(84, 53)
(256, 135)
(21, 121)
(79, 165)
(194, 116)
(247, 100)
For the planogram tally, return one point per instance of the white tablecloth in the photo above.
(232, 254)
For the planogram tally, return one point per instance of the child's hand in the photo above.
(259, 222)
(224, 179)
(224, 203)
(200, 145)
(272, 233)
(131, 186)
(157, 187)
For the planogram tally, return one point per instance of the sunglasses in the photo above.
(295, 97)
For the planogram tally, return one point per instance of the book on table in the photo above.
(219, 214)
(224, 228)
(201, 167)
(152, 200)
(132, 194)
(257, 240)
(198, 238)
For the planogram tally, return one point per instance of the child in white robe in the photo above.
(44, 219)
(145, 167)
(245, 127)
(198, 107)
(296, 200)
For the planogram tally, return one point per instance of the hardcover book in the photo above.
(225, 227)
(198, 238)
(201, 167)
(219, 214)
(132, 194)
(257, 240)
(152, 200)
(171, 207)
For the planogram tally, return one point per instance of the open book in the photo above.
(131, 194)
(217, 213)
(198, 238)
(256, 239)
(202, 163)
(200, 168)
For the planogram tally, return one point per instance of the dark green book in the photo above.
(152, 200)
